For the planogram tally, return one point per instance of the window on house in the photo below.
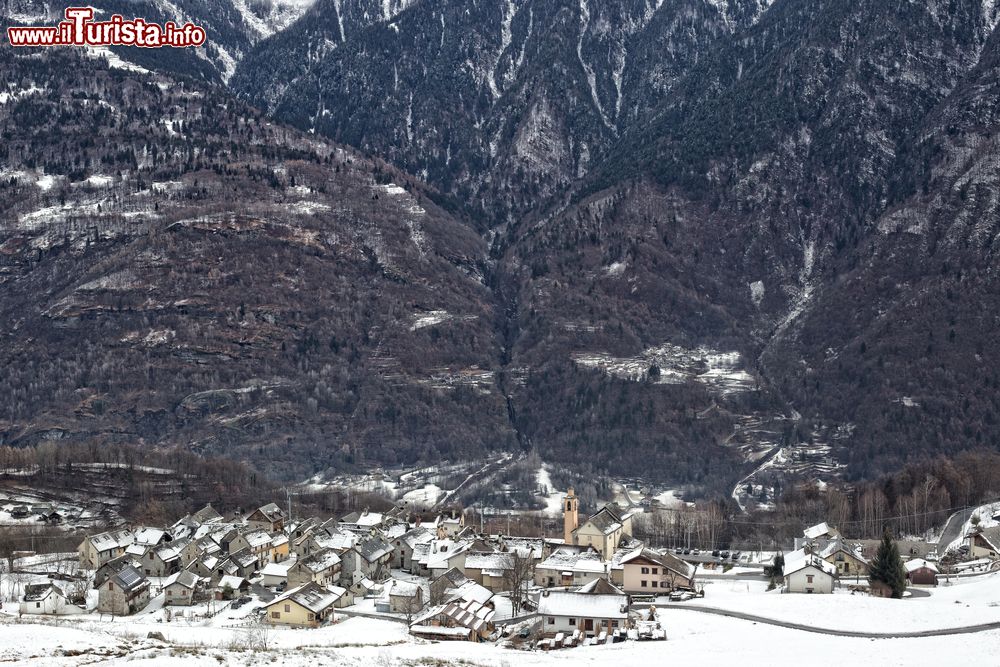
(552, 621)
(664, 584)
(275, 614)
(655, 570)
(572, 621)
(288, 608)
(645, 570)
(614, 624)
(38, 605)
(642, 583)
(809, 578)
(312, 617)
(111, 586)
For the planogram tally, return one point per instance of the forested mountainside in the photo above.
(801, 149)
(500, 103)
(687, 240)
(233, 27)
(733, 184)
(177, 270)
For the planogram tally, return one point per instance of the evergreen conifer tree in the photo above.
(887, 568)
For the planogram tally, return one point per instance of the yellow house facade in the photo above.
(604, 530)
(307, 606)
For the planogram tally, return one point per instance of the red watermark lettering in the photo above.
(80, 29)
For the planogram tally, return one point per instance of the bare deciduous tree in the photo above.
(518, 577)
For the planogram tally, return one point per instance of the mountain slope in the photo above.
(501, 104)
(177, 270)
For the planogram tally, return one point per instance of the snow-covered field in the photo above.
(965, 602)
(693, 638)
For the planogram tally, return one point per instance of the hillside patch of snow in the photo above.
(719, 370)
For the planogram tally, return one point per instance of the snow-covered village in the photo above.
(500, 332)
(395, 587)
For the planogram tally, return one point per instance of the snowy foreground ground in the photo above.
(694, 637)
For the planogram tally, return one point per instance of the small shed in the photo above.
(921, 572)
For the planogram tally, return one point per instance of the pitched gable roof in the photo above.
(607, 520)
(129, 579)
(600, 586)
(312, 596)
(183, 578)
(582, 605)
(663, 559)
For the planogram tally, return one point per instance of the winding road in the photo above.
(953, 528)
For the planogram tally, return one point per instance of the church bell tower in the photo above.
(571, 519)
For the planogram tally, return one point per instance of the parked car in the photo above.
(695, 552)
(724, 555)
(716, 553)
(687, 551)
(681, 596)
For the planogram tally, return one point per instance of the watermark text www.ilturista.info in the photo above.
(79, 29)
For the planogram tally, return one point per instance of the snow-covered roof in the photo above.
(575, 561)
(321, 561)
(819, 530)
(271, 512)
(600, 587)
(795, 562)
(232, 581)
(363, 519)
(136, 550)
(663, 559)
(440, 552)
(918, 563)
(113, 539)
(838, 545)
(149, 536)
(373, 548)
(38, 592)
(466, 613)
(400, 588)
(418, 535)
(439, 630)
(169, 552)
(276, 569)
(582, 605)
(607, 520)
(257, 538)
(395, 530)
(184, 578)
(481, 561)
(312, 596)
(340, 541)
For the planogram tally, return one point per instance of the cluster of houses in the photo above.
(823, 558)
(45, 513)
(447, 576)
